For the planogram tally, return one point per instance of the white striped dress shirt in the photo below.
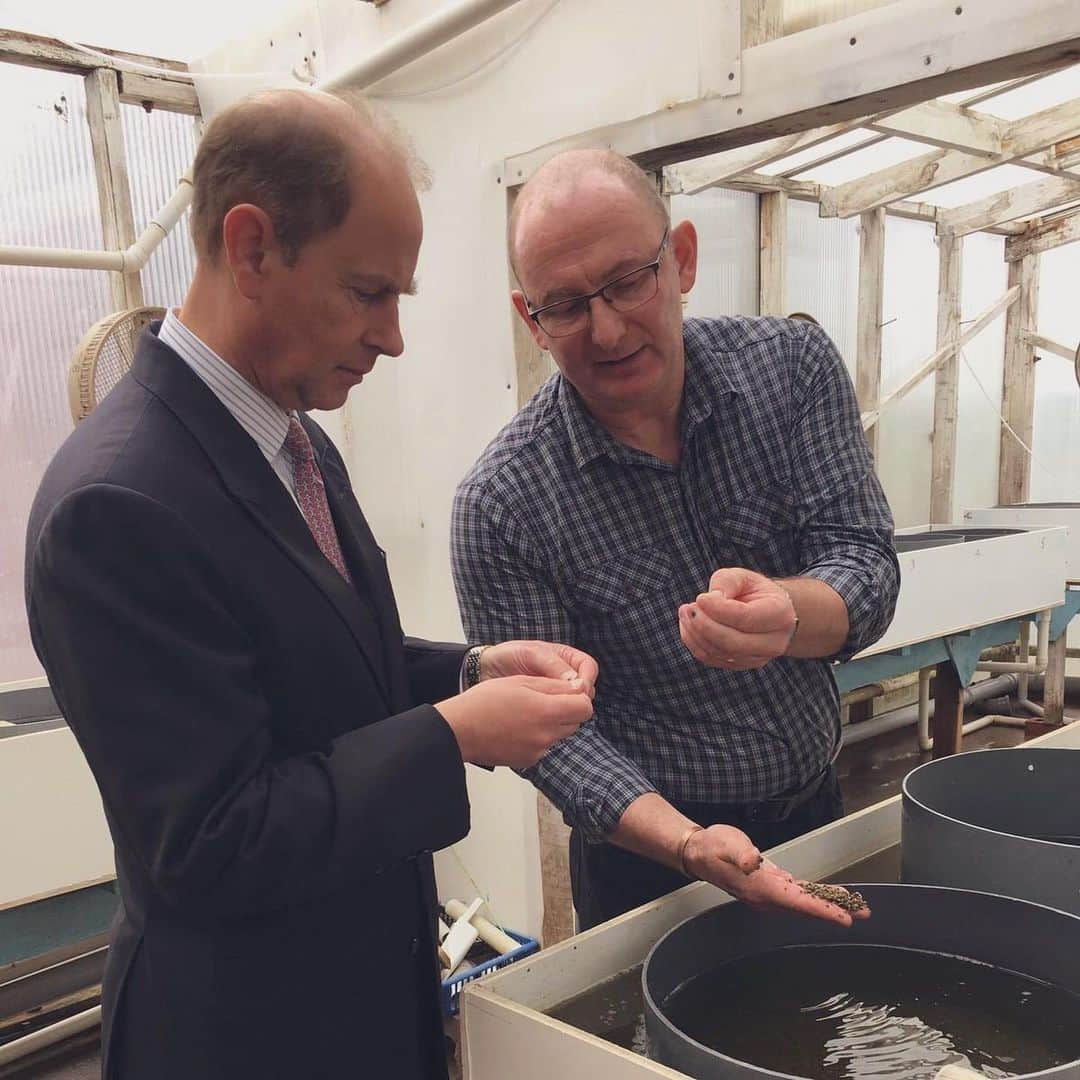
(264, 420)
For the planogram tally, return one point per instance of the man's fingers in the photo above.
(732, 581)
(585, 667)
(762, 615)
(551, 685)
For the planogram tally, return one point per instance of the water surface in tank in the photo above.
(840, 1012)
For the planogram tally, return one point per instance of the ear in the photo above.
(248, 240)
(684, 248)
(522, 307)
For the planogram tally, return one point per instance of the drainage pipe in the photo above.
(909, 714)
(50, 1036)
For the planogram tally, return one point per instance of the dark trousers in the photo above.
(608, 880)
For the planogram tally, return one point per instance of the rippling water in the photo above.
(858, 1012)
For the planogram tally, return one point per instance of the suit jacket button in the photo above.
(414, 946)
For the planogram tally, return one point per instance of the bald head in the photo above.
(296, 154)
(561, 180)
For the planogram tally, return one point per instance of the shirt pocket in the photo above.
(623, 582)
(758, 531)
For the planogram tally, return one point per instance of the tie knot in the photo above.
(297, 442)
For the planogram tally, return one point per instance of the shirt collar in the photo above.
(263, 419)
(706, 381)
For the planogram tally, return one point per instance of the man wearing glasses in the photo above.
(695, 505)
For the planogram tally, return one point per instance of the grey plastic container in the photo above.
(984, 820)
(1012, 934)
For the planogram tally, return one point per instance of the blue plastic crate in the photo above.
(450, 992)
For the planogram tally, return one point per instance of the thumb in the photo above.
(548, 663)
(730, 582)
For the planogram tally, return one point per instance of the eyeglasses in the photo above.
(624, 293)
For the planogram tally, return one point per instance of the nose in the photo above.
(606, 325)
(385, 333)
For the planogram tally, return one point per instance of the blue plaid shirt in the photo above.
(562, 533)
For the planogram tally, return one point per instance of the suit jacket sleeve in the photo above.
(141, 639)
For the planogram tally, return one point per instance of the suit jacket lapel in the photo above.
(362, 552)
(248, 476)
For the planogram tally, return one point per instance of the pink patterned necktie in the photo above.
(311, 495)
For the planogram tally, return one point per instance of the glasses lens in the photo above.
(563, 319)
(633, 290)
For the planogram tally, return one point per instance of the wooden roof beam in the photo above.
(1024, 137)
(951, 127)
(1064, 229)
(1020, 202)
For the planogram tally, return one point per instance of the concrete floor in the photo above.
(869, 772)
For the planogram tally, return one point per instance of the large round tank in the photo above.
(999, 821)
(1009, 934)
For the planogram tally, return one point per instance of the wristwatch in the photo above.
(472, 665)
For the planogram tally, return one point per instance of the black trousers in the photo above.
(607, 880)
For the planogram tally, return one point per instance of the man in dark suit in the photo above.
(276, 761)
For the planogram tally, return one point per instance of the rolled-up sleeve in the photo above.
(845, 524)
(503, 594)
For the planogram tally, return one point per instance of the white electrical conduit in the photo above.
(424, 37)
(50, 1036)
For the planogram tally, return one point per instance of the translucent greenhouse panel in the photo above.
(48, 198)
(727, 227)
(823, 273)
(160, 149)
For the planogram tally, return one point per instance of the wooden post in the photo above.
(1018, 382)
(948, 710)
(114, 191)
(762, 20)
(946, 381)
(533, 367)
(558, 900)
(772, 281)
(871, 291)
(1054, 683)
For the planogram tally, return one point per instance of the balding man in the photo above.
(695, 504)
(276, 762)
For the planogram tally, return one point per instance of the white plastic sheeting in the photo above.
(48, 196)
(160, 147)
(727, 225)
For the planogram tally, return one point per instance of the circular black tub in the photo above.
(1009, 934)
(999, 821)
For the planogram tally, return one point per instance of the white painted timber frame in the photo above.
(941, 355)
(506, 1033)
(904, 53)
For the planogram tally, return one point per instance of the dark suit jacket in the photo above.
(272, 778)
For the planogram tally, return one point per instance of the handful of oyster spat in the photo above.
(848, 899)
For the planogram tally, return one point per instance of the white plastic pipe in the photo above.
(1033, 667)
(461, 938)
(50, 1036)
(490, 934)
(423, 37)
(908, 715)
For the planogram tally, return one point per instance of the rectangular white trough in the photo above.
(950, 589)
(506, 1032)
(1036, 516)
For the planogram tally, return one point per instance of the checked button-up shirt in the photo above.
(562, 533)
